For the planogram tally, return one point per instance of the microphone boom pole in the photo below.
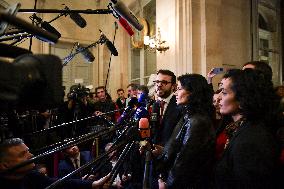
(81, 139)
(58, 182)
(120, 160)
(72, 122)
(18, 22)
(68, 58)
(87, 11)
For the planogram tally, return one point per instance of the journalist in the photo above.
(14, 151)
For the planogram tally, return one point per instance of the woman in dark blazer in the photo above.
(188, 156)
(250, 156)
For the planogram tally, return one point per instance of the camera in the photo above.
(78, 92)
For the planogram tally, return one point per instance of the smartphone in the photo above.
(218, 70)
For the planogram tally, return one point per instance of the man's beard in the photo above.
(166, 94)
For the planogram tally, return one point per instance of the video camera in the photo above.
(78, 92)
(31, 81)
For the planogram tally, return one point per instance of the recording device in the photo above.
(31, 81)
(88, 56)
(141, 112)
(77, 92)
(126, 26)
(218, 70)
(77, 18)
(128, 111)
(11, 10)
(45, 25)
(144, 128)
(155, 112)
(120, 8)
(30, 28)
(109, 44)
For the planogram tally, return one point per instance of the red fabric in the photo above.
(282, 157)
(220, 144)
(56, 158)
(116, 114)
(162, 107)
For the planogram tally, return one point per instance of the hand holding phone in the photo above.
(218, 70)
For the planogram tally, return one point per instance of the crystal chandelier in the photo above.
(155, 43)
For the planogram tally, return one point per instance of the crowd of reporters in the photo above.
(230, 138)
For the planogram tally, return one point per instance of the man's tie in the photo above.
(76, 163)
(162, 107)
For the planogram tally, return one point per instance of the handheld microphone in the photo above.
(88, 56)
(155, 112)
(77, 18)
(124, 12)
(128, 111)
(144, 128)
(109, 44)
(126, 26)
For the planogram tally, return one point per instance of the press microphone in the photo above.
(88, 56)
(30, 28)
(126, 26)
(144, 128)
(45, 25)
(109, 45)
(77, 18)
(128, 111)
(141, 111)
(123, 11)
(155, 112)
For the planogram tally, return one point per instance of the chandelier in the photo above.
(155, 43)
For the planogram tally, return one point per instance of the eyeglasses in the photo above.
(163, 82)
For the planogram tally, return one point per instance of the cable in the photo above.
(115, 23)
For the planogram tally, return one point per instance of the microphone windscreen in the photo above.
(155, 112)
(156, 107)
(126, 26)
(124, 12)
(46, 26)
(132, 102)
(111, 48)
(78, 19)
(144, 128)
(88, 56)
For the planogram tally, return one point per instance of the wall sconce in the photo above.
(155, 43)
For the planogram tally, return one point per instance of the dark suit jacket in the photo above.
(36, 180)
(120, 104)
(249, 161)
(66, 166)
(171, 117)
(190, 163)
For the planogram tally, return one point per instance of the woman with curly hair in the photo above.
(189, 154)
(250, 156)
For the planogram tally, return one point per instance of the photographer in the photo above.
(77, 107)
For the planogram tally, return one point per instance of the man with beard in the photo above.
(165, 106)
